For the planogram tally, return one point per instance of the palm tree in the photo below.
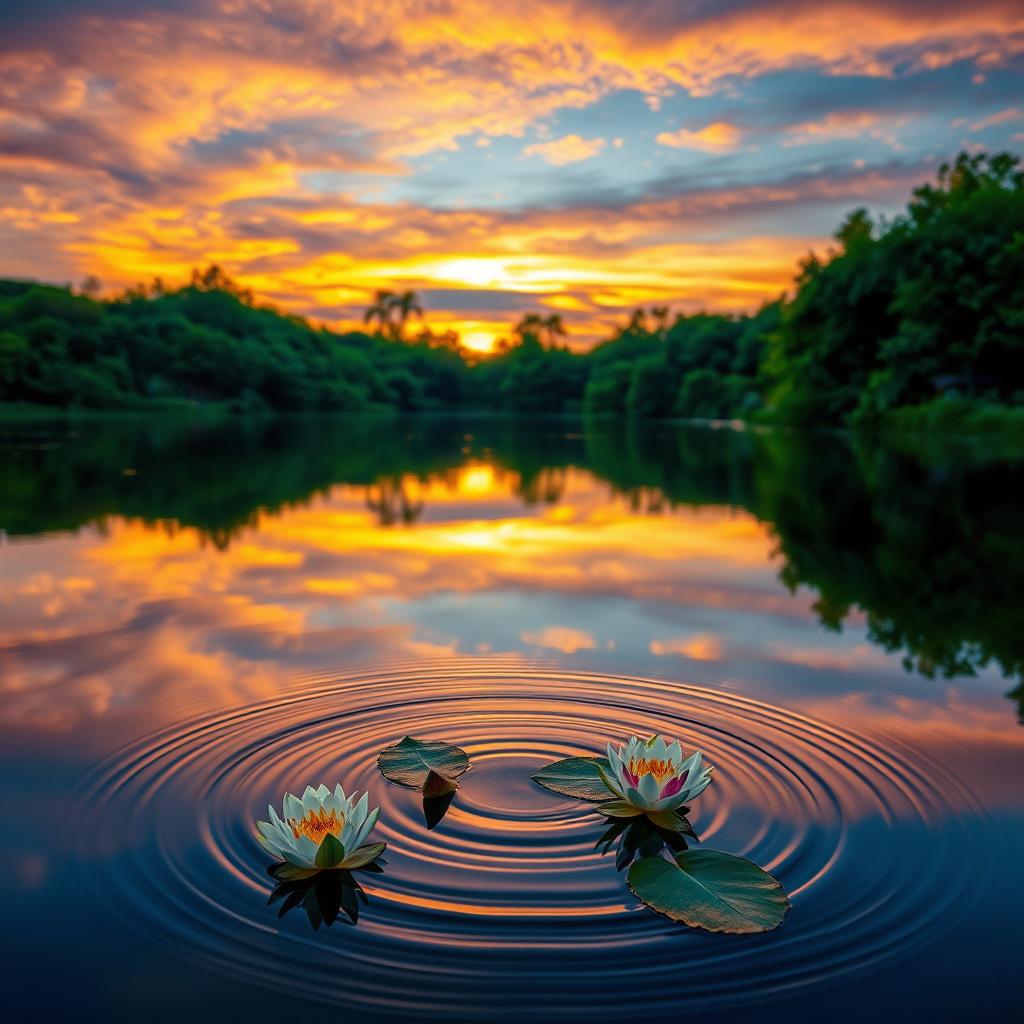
(637, 322)
(531, 326)
(660, 314)
(91, 287)
(547, 328)
(391, 311)
(553, 328)
(405, 305)
(380, 311)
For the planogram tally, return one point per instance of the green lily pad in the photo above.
(330, 852)
(410, 761)
(710, 890)
(577, 777)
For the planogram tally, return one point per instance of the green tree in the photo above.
(405, 305)
(382, 311)
(652, 388)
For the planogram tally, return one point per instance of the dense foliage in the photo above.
(925, 313)
(206, 342)
(931, 304)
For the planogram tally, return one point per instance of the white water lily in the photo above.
(322, 830)
(652, 776)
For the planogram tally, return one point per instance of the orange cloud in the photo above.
(561, 638)
(141, 144)
(154, 618)
(701, 647)
(1001, 117)
(840, 125)
(718, 137)
(569, 149)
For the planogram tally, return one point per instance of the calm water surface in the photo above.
(195, 618)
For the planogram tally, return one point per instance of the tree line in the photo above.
(914, 320)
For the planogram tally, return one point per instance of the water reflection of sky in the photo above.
(103, 622)
(128, 626)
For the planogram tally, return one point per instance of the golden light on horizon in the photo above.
(477, 480)
(441, 164)
(479, 341)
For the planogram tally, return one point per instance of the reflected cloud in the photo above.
(701, 647)
(561, 638)
(629, 551)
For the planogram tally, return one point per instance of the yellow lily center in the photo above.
(651, 766)
(317, 824)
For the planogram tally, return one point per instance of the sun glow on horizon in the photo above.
(439, 160)
(482, 342)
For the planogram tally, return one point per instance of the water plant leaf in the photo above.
(329, 890)
(311, 905)
(365, 855)
(285, 872)
(650, 845)
(577, 777)
(618, 809)
(435, 808)
(294, 898)
(323, 894)
(330, 852)
(710, 890)
(634, 836)
(674, 841)
(614, 830)
(673, 821)
(349, 902)
(438, 785)
(638, 837)
(409, 761)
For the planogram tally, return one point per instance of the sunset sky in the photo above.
(583, 156)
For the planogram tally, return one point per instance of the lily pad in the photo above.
(710, 890)
(577, 777)
(410, 761)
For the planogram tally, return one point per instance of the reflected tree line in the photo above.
(926, 542)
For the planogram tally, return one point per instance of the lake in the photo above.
(198, 616)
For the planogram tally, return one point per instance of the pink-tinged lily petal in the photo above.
(673, 786)
(632, 779)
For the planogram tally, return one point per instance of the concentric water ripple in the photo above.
(506, 903)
